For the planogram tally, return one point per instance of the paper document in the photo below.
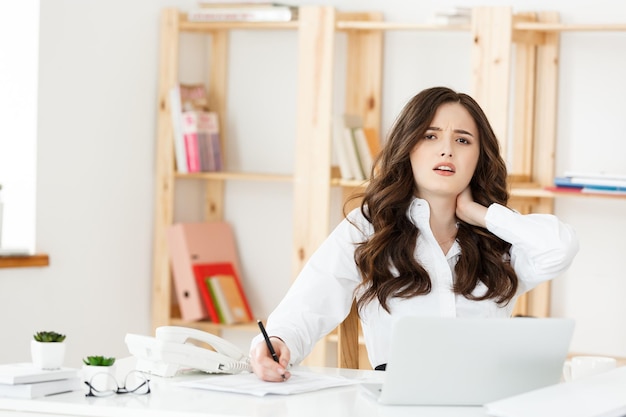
(249, 383)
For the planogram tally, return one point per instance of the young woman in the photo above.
(433, 237)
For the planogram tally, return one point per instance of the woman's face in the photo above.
(444, 160)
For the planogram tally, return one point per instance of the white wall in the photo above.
(95, 166)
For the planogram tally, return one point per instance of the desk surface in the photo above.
(167, 399)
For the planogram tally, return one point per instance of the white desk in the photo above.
(168, 400)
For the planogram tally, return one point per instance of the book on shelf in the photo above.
(190, 137)
(373, 141)
(202, 140)
(345, 157)
(594, 183)
(350, 123)
(356, 147)
(224, 313)
(191, 244)
(562, 189)
(586, 190)
(244, 13)
(185, 99)
(215, 143)
(204, 152)
(206, 293)
(26, 373)
(604, 190)
(219, 297)
(364, 142)
(176, 110)
(193, 96)
(209, 141)
(197, 143)
(223, 293)
(363, 151)
(453, 16)
(230, 294)
(235, 297)
(595, 175)
(589, 181)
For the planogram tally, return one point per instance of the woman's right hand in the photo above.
(265, 367)
(470, 211)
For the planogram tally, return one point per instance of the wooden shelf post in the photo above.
(313, 138)
(164, 193)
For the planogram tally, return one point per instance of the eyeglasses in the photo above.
(104, 384)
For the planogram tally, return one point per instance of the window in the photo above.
(19, 41)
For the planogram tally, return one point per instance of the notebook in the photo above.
(458, 361)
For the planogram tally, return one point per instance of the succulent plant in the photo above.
(47, 337)
(98, 361)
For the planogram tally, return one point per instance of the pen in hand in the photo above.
(267, 341)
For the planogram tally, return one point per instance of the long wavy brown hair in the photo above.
(484, 257)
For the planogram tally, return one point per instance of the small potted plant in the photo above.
(98, 361)
(47, 350)
(96, 365)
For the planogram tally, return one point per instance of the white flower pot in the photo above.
(47, 355)
(104, 377)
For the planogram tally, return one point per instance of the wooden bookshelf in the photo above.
(174, 24)
(515, 59)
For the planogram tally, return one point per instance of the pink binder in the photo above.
(197, 243)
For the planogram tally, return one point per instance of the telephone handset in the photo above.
(169, 352)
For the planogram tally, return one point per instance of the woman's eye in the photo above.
(464, 141)
(430, 137)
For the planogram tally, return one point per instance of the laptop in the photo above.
(469, 362)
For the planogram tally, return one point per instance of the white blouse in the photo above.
(321, 296)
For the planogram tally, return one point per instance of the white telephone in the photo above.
(168, 353)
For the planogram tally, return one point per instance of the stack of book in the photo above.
(196, 130)
(248, 11)
(205, 269)
(593, 183)
(222, 293)
(456, 16)
(23, 380)
(356, 147)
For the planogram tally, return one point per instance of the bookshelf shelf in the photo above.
(204, 27)
(36, 260)
(238, 176)
(563, 27)
(392, 26)
(532, 191)
(214, 328)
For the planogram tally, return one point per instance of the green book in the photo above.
(219, 301)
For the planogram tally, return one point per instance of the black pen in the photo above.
(267, 340)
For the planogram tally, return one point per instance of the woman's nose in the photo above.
(446, 145)
(446, 149)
